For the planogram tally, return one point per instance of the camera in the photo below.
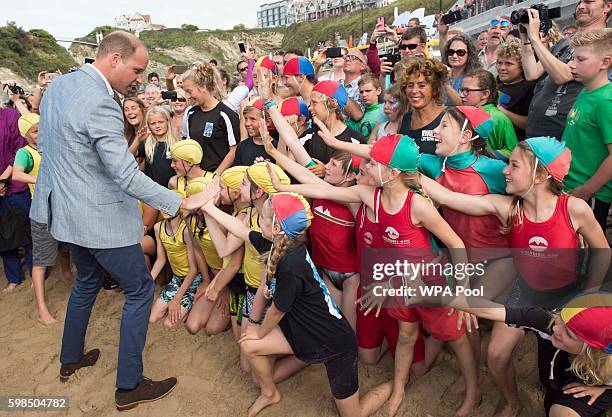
(546, 15)
(169, 95)
(391, 58)
(15, 89)
(333, 52)
(452, 17)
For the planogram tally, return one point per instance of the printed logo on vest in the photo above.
(368, 238)
(391, 233)
(538, 244)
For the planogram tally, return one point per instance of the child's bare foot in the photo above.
(264, 401)
(470, 402)
(395, 402)
(46, 318)
(504, 409)
(9, 288)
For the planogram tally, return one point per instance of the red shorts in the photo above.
(440, 325)
(371, 330)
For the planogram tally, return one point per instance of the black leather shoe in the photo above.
(88, 359)
(145, 392)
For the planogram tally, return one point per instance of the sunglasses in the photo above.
(411, 46)
(243, 69)
(503, 23)
(179, 99)
(466, 91)
(458, 52)
(352, 58)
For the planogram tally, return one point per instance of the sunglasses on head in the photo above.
(458, 52)
(411, 46)
(179, 99)
(243, 69)
(503, 23)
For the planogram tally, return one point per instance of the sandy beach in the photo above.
(210, 380)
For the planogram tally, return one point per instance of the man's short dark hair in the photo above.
(152, 75)
(123, 43)
(214, 62)
(415, 32)
(280, 52)
(297, 52)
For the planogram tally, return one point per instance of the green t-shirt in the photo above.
(587, 133)
(503, 137)
(24, 159)
(373, 114)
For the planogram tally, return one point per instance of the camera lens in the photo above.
(519, 16)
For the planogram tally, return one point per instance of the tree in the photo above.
(187, 26)
(240, 26)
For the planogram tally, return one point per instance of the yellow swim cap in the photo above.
(26, 122)
(232, 177)
(259, 174)
(188, 150)
(197, 185)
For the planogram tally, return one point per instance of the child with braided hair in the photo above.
(303, 319)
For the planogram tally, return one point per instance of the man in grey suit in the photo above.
(87, 193)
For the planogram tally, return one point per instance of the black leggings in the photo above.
(343, 374)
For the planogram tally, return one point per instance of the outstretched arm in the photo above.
(297, 171)
(224, 244)
(331, 141)
(490, 204)
(232, 224)
(352, 194)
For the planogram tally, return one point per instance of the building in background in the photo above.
(287, 12)
(273, 14)
(136, 22)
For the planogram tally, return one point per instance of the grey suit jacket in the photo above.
(88, 182)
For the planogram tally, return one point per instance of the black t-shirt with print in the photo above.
(552, 103)
(516, 98)
(424, 136)
(215, 130)
(318, 149)
(313, 325)
(247, 151)
(159, 170)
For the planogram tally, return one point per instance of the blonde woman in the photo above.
(155, 149)
(154, 152)
(210, 122)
